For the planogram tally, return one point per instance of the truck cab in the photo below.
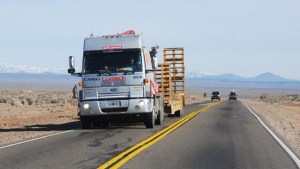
(117, 81)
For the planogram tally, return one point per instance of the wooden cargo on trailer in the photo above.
(170, 77)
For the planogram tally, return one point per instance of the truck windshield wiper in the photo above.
(100, 72)
(127, 71)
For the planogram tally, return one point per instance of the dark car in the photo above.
(232, 95)
(215, 95)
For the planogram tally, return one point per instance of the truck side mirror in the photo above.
(71, 64)
(153, 53)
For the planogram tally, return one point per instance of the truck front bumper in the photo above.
(114, 107)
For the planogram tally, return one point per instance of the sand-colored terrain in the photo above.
(282, 113)
(26, 114)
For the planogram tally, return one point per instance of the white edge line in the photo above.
(284, 146)
(22, 142)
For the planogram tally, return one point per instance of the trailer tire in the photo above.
(179, 113)
(149, 120)
(86, 122)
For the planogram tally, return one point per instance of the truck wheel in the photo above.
(105, 124)
(149, 120)
(159, 119)
(86, 122)
(161, 115)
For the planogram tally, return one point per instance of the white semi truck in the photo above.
(118, 83)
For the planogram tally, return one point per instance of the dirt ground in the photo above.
(26, 114)
(282, 113)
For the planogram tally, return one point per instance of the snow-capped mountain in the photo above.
(198, 74)
(9, 68)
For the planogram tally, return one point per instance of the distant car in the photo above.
(215, 95)
(232, 95)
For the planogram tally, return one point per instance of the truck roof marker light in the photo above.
(129, 32)
(126, 33)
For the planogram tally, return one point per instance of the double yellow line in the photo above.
(123, 157)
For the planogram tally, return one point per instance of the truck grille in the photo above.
(116, 95)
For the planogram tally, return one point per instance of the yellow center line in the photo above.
(123, 157)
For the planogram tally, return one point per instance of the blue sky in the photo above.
(234, 36)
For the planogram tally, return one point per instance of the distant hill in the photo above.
(227, 76)
(265, 77)
(268, 77)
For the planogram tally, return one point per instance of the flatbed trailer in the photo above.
(170, 77)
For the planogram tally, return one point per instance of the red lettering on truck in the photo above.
(111, 79)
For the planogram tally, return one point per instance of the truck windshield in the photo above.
(112, 61)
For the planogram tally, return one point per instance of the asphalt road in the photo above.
(225, 136)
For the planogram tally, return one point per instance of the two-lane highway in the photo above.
(79, 148)
(224, 136)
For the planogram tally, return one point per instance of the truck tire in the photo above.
(86, 122)
(105, 124)
(102, 124)
(160, 115)
(159, 119)
(149, 120)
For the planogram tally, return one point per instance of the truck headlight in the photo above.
(86, 106)
(142, 103)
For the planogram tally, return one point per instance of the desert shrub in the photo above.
(30, 100)
(54, 101)
(16, 102)
(20, 98)
(279, 99)
(3, 100)
(24, 102)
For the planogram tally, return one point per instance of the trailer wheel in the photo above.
(86, 122)
(149, 120)
(179, 113)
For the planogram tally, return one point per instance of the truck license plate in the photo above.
(114, 104)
